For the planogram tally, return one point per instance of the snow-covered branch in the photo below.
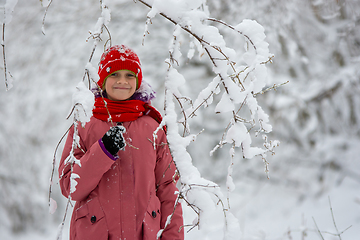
(239, 78)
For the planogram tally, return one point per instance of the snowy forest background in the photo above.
(316, 116)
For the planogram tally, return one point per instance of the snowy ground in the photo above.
(272, 214)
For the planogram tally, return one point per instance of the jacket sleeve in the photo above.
(167, 192)
(94, 162)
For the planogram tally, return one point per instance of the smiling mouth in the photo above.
(121, 88)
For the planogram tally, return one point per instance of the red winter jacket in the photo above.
(125, 198)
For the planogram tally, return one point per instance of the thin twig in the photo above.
(3, 47)
(274, 87)
(232, 28)
(318, 229)
(54, 161)
(333, 218)
(184, 123)
(45, 13)
(192, 114)
(109, 39)
(168, 221)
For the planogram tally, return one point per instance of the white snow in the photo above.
(53, 206)
(73, 182)
(315, 116)
(83, 100)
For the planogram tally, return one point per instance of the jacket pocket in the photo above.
(151, 224)
(90, 221)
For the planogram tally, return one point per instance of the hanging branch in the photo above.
(197, 183)
(7, 84)
(96, 36)
(232, 28)
(8, 10)
(54, 164)
(45, 13)
(71, 160)
(239, 90)
(208, 47)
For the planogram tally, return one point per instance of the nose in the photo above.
(121, 79)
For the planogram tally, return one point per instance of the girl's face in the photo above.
(120, 85)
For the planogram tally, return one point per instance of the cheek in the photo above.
(107, 84)
(133, 84)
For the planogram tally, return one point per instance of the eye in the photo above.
(130, 75)
(115, 74)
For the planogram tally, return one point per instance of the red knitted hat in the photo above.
(119, 57)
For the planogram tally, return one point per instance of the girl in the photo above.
(125, 183)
